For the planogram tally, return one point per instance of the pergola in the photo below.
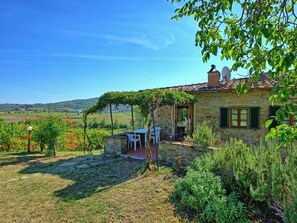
(148, 101)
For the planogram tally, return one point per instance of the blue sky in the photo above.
(56, 50)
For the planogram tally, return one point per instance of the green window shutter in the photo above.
(272, 113)
(224, 117)
(254, 117)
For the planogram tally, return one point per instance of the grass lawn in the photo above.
(75, 188)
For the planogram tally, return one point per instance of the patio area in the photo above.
(140, 152)
(123, 143)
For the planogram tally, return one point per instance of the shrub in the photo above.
(262, 173)
(97, 138)
(103, 124)
(13, 136)
(52, 129)
(94, 125)
(71, 140)
(291, 209)
(203, 192)
(203, 136)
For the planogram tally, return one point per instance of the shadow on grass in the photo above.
(19, 158)
(182, 212)
(89, 176)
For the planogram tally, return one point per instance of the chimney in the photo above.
(213, 77)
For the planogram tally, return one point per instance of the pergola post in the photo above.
(155, 135)
(111, 119)
(132, 113)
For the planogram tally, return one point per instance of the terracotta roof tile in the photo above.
(263, 83)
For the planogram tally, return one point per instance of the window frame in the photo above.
(239, 109)
(226, 114)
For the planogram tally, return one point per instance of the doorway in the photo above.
(183, 121)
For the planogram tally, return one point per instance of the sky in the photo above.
(57, 50)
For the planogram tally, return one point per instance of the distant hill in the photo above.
(74, 105)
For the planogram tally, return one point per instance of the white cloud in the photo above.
(95, 57)
(101, 57)
(142, 40)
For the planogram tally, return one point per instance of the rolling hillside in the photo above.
(79, 104)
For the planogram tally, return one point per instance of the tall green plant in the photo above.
(203, 136)
(51, 129)
(203, 192)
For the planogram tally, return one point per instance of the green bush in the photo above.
(12, 136)
(48, 133)
(52, 129)
(263, 173)
(203, 136)
(203, 192)
(97, 138)
(291, 210)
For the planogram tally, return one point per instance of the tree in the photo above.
(140, 121)
(49, 131)
(258, 35)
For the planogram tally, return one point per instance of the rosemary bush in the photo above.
(263, 173)
(203, 136)
(203, 192)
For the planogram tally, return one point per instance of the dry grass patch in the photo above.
(110, 190)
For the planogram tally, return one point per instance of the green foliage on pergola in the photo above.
(143, 99)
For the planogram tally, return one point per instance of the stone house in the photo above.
(219, 105)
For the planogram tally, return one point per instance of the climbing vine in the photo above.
(148, 102)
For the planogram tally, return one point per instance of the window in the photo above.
(254, 117)
(224, 117)
(239, 117)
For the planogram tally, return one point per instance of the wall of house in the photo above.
(208, 109)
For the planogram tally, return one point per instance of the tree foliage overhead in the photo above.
(257, 35)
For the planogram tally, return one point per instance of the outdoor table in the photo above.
(144, 131)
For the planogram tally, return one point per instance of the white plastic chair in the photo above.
(133, 138)
(157, 138)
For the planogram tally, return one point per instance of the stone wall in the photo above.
(165, 119)
(187, 152)
(207, 109)
(116, 144)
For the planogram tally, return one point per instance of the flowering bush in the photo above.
(66, 134)
(12, 136)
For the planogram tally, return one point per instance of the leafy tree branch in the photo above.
(257, 35)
